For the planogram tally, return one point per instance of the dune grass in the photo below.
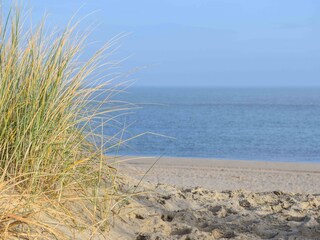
(55, 183)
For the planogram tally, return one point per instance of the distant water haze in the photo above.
(273, 124)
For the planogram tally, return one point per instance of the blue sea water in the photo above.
(273, 124)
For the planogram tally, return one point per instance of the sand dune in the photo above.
(238, 200)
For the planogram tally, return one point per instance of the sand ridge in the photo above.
(168, 212)
(220, 200)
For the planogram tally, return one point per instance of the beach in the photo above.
(186, 198)
(220, 175)
(229, 89)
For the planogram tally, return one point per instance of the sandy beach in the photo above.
(219, 175)
(219, 199)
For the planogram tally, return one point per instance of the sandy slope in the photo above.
(188, 200)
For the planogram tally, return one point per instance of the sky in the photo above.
(204, 42)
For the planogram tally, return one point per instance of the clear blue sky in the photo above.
(207, 42)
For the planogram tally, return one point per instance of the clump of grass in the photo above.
(54, 181)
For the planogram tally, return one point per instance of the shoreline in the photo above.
(211, 159)
(220, 175)
(214, 162)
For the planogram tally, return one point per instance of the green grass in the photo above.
(54, 182)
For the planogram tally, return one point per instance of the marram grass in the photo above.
(54, 183)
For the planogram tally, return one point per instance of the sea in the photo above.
(264, 124)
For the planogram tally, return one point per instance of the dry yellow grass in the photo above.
(54, 183)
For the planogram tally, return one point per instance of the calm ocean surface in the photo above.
(274, 124)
